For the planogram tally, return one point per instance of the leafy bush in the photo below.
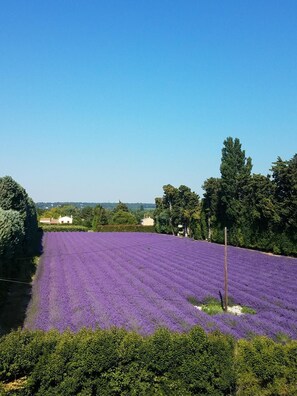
(117, 362)
(266, 368)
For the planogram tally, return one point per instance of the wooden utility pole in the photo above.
(226, 273)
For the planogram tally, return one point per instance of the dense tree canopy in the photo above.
(14, 197)
(100, 217)
(178, 211)
(259, 211)
(123, 217)
(20, 238)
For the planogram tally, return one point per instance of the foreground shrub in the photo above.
(117, 362)
(266, 368)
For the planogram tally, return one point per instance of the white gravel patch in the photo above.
(235, 310)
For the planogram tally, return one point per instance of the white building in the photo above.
(147, 221)
(65, 220)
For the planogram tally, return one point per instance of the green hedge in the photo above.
(124, 228)
(100, 228)
(117, 362)
(66, 228)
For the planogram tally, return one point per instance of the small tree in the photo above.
(123, 217)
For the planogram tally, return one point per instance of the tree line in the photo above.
(259, 211)
(95, 217)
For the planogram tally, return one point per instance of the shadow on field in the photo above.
(15, 297)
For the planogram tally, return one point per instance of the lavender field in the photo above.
(142, 281)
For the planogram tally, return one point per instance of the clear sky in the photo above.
(107, 100)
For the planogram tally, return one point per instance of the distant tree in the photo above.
(53, 213)
(123, 217)
(121, 207)
(100, 217)
(178, 206)
(162, 217)
(170, 202)
(85, 216)
(211, 204)
(189, 209)
(69, 210)
(63, 210)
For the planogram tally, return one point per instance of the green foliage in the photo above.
(14, 197)
(259, 211)
(266, 368)
(121, 207)
(213, 306)
(12, 233)
(61, 210)
(86, 216)
(20, 238)
(100, 217)
(193, 300)
(178, 212)
(125, 228)
(123, 217)
(63, 228)
(248, 310)
(212, 309)
(117, 362)
(207, 364)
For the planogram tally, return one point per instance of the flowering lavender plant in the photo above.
(143, 281)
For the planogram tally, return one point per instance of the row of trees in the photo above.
(178, 211)
(259, 211)
(93, 217)
(20, 238)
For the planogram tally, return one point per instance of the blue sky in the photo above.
(110, 100)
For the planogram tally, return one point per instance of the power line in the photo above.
(15, 281)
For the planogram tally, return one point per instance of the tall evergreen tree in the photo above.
(235, 173)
